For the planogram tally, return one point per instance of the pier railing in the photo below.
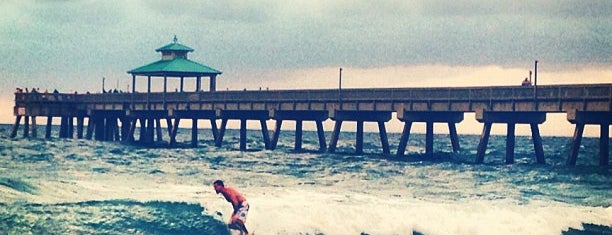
(550, 98)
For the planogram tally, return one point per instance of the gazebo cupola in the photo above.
(174, 63)
(174, 50)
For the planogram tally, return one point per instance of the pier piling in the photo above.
(532, 118)
(299, 116)
(585, 104)
(15, 126)
(429, 118)
(340, 116)
(580, 119)
(48, 127)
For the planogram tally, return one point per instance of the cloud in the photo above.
(50, 43)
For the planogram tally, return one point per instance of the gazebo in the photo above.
(174, 63)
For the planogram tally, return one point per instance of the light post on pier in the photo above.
(340, 85)
(535, 84)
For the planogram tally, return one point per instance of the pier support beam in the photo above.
(340, 116)
(244, 116)
(126, 125)
(321, 135)
(243, 134)
(532, 118)
(34, 127)
(194, 132)
(158, 130)
(175, 128)
(429, 117)
(48, 127)
(298, 135)
(195, 116)
(580, 119)
(15, 126)
(299, 117)
(80, 121)
(90, 127)
(26, 127)
(219, 140)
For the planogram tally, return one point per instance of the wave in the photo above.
(108, 217)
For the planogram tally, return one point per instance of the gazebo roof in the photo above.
(176, 67)
(174, 63)
(175, 46)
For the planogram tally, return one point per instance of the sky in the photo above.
(276, 44)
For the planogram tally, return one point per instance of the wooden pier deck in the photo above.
(116, 116)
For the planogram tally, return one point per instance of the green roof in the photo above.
(174, 47)
(175, 67)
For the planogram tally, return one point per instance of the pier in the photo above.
(110, 116)
(116, 116)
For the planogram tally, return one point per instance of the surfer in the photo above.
(241, 207)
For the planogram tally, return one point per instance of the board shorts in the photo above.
(242, 211)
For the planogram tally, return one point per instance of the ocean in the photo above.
(77, 186)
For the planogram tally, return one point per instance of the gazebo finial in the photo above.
(175, 39)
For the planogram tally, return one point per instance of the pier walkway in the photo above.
(117, 116)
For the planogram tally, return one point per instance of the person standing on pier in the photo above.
(526, 82)
(239, 203)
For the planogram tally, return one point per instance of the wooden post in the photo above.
(174, 131)
(125, 128)
(61, 133)
(243, 134)
(359, 138)
(335, 135)
(133, 84)
(26, 127)
(164, 93)
(80, 120)
(484, 140)
(604, 147)
(219, 141)
(170, 126)
(158, 129)
(213, 83)
(109, 129)
(15, 126)
(537, 143)
(90, 127)
(194, 132)
(151, 130)
(298, 135)
(116, 129)
(182, 81)
(452, 129)
(70, 127)
(214, 129)
(321, 134)
(403, 143)
(573, 154)
(100, 128)
(276, 134)
(48, 127)
(143, 130)
(198, 84)
(148, 93)
(130, 135)
(384, 141)
(34, 127)
(265, 134)
(510, 140)
(429, 148)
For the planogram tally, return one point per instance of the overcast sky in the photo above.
(71, 45)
